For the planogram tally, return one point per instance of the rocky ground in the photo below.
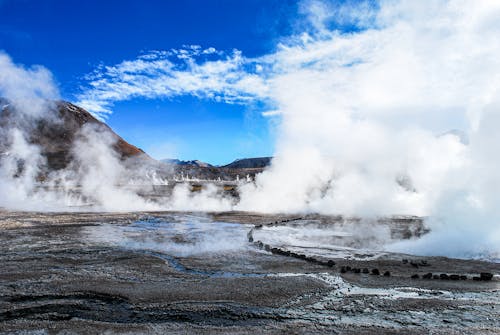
(227, 273)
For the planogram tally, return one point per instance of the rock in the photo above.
(415, 276)
(486, 276)
(267, 247)
(330, 263)
(444, 276)
(250, 239)
(375, 272)
(454, 277)
(427, 276)
(260, 244)
(387, 274)
(476, 278)
(415, 265)
(435, 277)
(356, 270)
(365, 270)
(463, 277)
(343, 269)
(405, 261)
(348, 268)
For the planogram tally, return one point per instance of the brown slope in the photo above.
(55, 134)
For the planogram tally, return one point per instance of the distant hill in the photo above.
(249, 163)
(185, 163)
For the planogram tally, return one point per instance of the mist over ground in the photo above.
(397, 116)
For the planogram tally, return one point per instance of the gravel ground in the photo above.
(181, 273)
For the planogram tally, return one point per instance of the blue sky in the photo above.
(74, 38)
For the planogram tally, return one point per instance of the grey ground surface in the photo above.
(159, 273)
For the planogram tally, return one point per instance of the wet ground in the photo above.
(232, 273)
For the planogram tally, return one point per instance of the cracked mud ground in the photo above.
(89, 273)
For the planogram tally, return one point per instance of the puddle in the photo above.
(177, 236)
(330, 241)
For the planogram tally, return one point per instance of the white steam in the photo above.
(365, 119)
(363, 109)
(29, 89)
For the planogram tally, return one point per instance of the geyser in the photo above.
(366, 97)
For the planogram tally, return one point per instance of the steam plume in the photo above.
(365, 118)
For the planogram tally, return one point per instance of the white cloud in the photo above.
(204, 73)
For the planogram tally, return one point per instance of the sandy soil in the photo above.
(181, 273)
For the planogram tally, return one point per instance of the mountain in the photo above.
(240, 168)
(56, 131)
(249, 163)
(195, 163)
(63, 123)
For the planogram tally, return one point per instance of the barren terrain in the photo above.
(229, 273)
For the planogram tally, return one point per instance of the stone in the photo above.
(375, 272)
(486, 276)
(427, 276)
